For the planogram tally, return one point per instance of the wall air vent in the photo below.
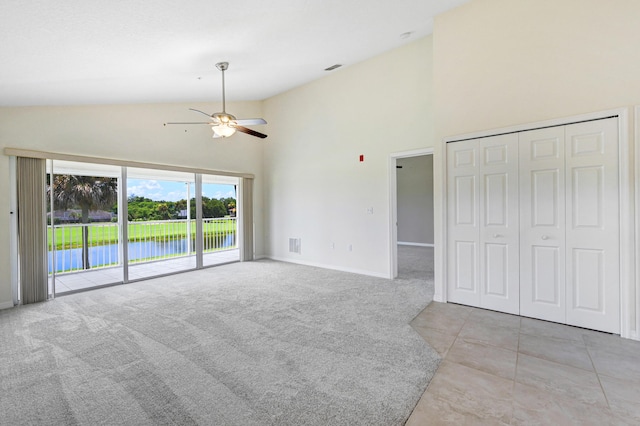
(294, 245)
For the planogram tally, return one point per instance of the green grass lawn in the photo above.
(70, 236)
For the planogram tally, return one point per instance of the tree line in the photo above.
(141, 208)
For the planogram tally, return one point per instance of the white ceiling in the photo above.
(67, 52)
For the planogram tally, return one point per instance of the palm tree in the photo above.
(88, 193)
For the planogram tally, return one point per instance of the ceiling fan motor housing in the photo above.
(223, 117)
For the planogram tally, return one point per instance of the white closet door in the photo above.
(499, 232)
(542, 222)
(593, 270)
(463, 233)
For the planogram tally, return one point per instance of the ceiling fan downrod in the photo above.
(223, 66)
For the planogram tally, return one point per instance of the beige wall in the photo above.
(127, 132)
(500, 63)
(504, 62)
(317, 190)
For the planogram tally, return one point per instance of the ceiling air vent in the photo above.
(294, 245)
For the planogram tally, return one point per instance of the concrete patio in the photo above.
(76, 281)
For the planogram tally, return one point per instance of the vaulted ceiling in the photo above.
(139, 51)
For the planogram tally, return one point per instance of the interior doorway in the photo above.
(412, 214)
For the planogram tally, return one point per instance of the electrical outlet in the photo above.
(350, 247)
(332, 246)
(369, 210)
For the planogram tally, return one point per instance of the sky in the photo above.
(162, 190)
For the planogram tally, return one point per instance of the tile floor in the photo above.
(502, 369)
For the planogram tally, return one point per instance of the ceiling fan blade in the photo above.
(250, 132)
(201, 112)
(193, 122)
(251, 121)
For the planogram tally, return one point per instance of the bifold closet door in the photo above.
(542, 222)
(483, 223)
(463, 233)
(569, 215)
(499, 229)
(593, 225)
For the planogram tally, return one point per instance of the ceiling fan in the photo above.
(224, 124)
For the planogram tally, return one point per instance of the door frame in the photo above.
(629, 315)
(393, 205)
(636, 332)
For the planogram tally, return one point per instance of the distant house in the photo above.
(75, 215)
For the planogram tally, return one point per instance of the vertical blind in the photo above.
(32, 229)
(246, 252)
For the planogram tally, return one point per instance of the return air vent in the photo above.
(294, 245)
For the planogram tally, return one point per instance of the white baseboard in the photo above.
(332, 267)
(404, 243)
(6, 305)
(634, 335)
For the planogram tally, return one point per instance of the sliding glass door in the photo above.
(83, 233)
(161, 222)
(111, 224)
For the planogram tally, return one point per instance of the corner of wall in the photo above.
(6, 305)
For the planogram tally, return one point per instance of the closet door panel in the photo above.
(462, 223)
(547, 284)
(593, 281)
(499, 231)
(542, 221)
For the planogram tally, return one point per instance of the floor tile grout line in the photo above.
(556, 362)
(551, 337)
(515, 375)
(593, 370)
(559, 363)
(606, 398)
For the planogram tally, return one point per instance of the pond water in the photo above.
(71, 259)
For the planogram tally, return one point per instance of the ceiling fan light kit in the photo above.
(224, 124)
(223, 130)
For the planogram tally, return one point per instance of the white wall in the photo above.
(500, 63)
(316, 188)
(415, 199)
(128, 132)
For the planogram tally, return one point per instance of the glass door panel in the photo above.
(160, 226)
(83, 230)
(219, 224)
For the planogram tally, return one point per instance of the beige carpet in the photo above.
(256, 343)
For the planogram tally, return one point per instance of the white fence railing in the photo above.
(148, 241)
